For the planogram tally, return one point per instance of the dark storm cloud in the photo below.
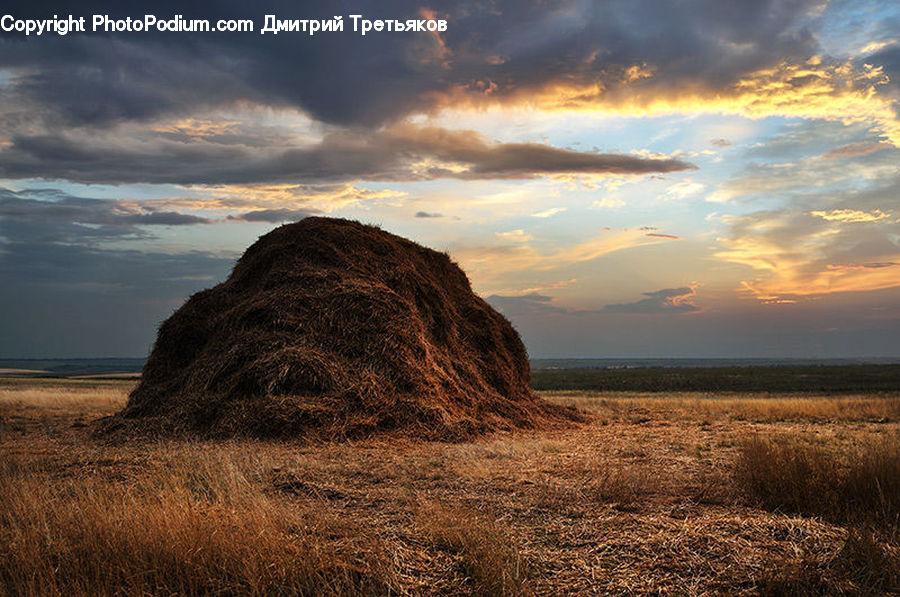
(344, 78)
(275, 216)
(393, 154)
(668, 300)
(65, 100)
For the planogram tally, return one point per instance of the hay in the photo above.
(335, 329)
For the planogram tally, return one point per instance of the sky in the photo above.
(620, 179)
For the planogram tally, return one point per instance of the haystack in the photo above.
(332, 328)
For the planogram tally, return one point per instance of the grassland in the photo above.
(690, 493)
(787, 378)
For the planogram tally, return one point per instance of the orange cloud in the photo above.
(487, 265)
(277, 196)
(830, 280)
(794, 255)
(836, 91)
(850, 215)
(200, 128)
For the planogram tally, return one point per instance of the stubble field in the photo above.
(689, 493)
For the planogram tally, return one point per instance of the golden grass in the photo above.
(864, 565)
(651, 496)
(102, 398)
(859, 484)
(697, 405)
(486, 554)
(201, 527)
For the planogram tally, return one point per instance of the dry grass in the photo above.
(865, 565)
(101, 399)
(649, 497)
(485, 553)
(736, 407)
(858, 484)
(200, 528)
(332, 328)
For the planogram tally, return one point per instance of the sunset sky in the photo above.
(621, 179)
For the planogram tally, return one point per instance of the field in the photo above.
(667, 492)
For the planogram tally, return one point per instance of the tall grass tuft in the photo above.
(859, 486)
(485, 553)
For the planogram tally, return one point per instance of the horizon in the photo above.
(736, 361)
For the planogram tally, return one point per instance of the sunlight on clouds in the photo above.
(536, 289)
(548, 213)
(799, 255)
(608, 203)
(325, 198)
(682, 190)
(877, 46)
(835, 278)
(851, 215)
(516, 236)
(201, 128)
(834, 91)
(487, 265)
(244, 123)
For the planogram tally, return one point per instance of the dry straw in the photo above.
(335, 329)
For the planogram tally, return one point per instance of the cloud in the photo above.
(668, 300)
(682, 190)
(51, 216)
(852, 150)
(492, 266)
(608, 203)
(548, 213)
(877, 45)
(790, 163)
(425, 214)
(516, 236)
(851, 215)
(506, 49)
(322, 197)
(719, 142)
(135, 108)
(400, 153)
(274, 215)
(69, 286)
(532, 303)
(795, 253)
(660, 235)
(808, 88)
(846, 266)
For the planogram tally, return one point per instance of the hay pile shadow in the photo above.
(334, 329)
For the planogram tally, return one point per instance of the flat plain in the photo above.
(673, 492)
